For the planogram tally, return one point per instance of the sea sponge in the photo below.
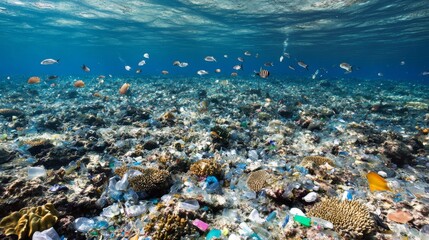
(257, 180)
(29, 220)
(206, 167)
(315, 161)
(350, 218)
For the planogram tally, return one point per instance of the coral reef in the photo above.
(29, 220)
(350, 218)
(8, 112)
(170, 225)
(315, 161)
(257, 180)
(206, 167)
(220, 136)
(152, 181)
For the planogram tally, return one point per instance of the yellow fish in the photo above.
(376, 182)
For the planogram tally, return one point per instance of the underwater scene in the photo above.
(214, 119)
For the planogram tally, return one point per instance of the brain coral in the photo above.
(29, 220)
(350, 218)
(257, 180)
(206, 167)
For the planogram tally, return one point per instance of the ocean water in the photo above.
(372, 36)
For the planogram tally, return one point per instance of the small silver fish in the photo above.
(380, 74)
(183, 64)
(402, 63)
(225, 56)
(138, 71)
(238, 67)
(346, 67)
(281, 58)
(425, 73)
(247, 53)
(142, 62)
(128, 68)
(85, 68)
(240, 59)
(303, 65)
(202, 72)
(49, 61)
(291, 68)
(146, 55)
(286, 55)
(210, 59)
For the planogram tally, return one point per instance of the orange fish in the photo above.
(376, 182)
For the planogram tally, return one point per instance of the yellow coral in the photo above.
(206, 167)
(350, 218)
(29, 220)
(257, 180)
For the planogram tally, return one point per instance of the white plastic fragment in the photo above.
(36, 172)
(382, 173)
(296, 211)
(311, 197)
(254, 217)
(48, 234)
(322, 222)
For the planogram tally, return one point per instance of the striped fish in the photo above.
(262, 73)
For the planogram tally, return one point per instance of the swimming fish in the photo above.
(380, 74)
(52, 77)
(376, 182)
(101, 77)
(268, 64)
(49, 61)
(202, 72)
(286, 55)
(234, 74)
(247, 53)
(315, 74)
(138, 71)
(291, 68)
(146, 55)
(128, 68)
(425, 73)
(210, 59)
(124, 88)
(225, 56)
(257, 55)
(262, 73)
(183, 64)
(402, 63)
(238, 67)
(79, 84)
(281, 58)
(176, 63)
(85, 68)
(303, 65)
(142, 62)
(217, 70)
(165, 72)
(346, 67)
(240, 59)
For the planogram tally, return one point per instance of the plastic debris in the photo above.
(253, 155)
(271, 216)
(347, 195)
(212, 185)
(57, 188)
(200, 225)
(214, 233)
(311, 197)
(83, 224)
(296, 211)
(36, 172)
(48, 234)
(234, 237)
(122, 185)
(245, 229)
(305, 221)
(254, 217)
(134, 210)
(111, 211)
(189, 205)
(285, 221)
(321, 222)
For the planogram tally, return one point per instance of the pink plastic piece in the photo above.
(200, 224)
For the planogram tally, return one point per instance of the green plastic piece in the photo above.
(305, 221)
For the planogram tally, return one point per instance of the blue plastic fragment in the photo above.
(211, 179)
(285, 221)
(255, 236)
(241, 165)
(397, 198)
(271, 216)
(214, 233)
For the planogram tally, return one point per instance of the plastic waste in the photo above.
(271, 216)
(234, 237)
(111, 211)
(254, 217)
(200, 225)
(134, 210)
(36, 172)
(315, 221)
(48, 234)
(305, 221)
(122, 184)
(131, 196)
(214, 233)
(348, 195)
(253, 155)
(189, 205)
(311, 197)
(296, 211)
(245, 229)
(212, 185)
(83, 224)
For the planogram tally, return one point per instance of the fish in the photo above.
(240, 59)
(210, 59)
(281, 58)
(225, 56)
(376, 182)
(85, 68)
(217, 70)
(49, 61)
(101, 77)
(202, 72)
(138, 71)
(52, 77)
(79, 84)
(164, 72)
(262, 73)
(315, 74)
(238, 67)
(425, 73)
(291, 68)
(176, 63)
(402, 63)
(268, 64)
(124, 89)
(247, 53)
(128, 68)
(183, 64)
(234, 74)
(286, 55)
(303, 65)
(142, 62)
(380, 74)
(33, 80)
(146, 55)
(346, 67)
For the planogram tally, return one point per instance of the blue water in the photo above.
(373, 36)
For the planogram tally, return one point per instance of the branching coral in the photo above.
(350, 218)
(151, 180)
